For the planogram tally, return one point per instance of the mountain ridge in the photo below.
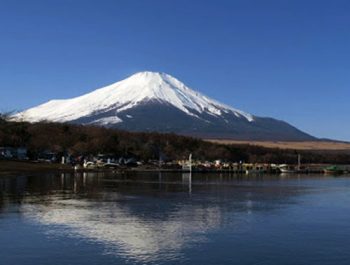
(154, 101)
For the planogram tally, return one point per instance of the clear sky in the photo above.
(284, 59)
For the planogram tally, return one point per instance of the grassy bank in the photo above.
(14, 167)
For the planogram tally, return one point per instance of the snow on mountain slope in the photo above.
(126, 94)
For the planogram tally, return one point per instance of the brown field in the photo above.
(309, 145)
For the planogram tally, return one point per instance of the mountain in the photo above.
(150, 101)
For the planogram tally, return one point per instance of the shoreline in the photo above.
(11, 167)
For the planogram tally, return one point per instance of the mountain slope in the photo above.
(149, 101)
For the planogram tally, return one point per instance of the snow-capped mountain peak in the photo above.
(139, 88)
(151, 101)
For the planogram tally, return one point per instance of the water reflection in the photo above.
(187, 179)
(123, 231)
(143, 217)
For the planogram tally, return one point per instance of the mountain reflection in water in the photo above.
(148, 217)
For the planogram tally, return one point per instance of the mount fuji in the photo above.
(151, 101)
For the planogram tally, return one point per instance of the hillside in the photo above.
(92, 140)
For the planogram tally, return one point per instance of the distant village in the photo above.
(111, 161)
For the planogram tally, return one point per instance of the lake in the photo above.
(168, 218)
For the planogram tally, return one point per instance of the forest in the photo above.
(85, 140)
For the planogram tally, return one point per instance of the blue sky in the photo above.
(284, 59)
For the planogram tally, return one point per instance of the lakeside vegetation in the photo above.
(91, 140)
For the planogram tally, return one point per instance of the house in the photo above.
(13, 153)
(6, 152)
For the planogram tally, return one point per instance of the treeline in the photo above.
(90, 140)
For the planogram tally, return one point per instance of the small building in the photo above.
(6, 152)
(47, 156)
(13, 153)
(22, 153)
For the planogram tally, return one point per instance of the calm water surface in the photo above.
(174, 219)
